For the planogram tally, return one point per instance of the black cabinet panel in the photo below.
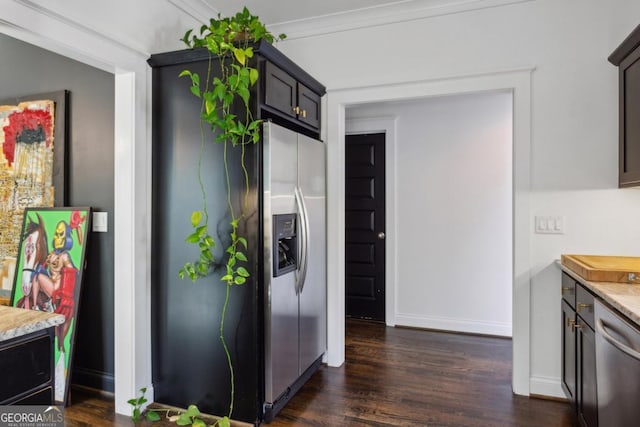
(627, 58)
(284, 95)
(568, 351)
(41, 397)
(280, 90)
(189, 364)
(579, 351)
(26, 368)
(309, 103)
(587, 399)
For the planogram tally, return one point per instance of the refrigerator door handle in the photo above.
(304, 231)
(301, 241)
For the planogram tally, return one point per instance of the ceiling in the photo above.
(152, 26)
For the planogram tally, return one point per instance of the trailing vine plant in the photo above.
(226, 111)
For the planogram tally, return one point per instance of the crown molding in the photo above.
(408, 10)
(97, 37)
(72, 39)
(197, 9)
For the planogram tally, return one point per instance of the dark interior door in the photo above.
(364, 223)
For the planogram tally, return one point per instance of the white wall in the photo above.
(574, 120)
(453, 213)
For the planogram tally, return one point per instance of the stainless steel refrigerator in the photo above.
(294, 224)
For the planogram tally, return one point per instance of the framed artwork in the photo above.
(33, 138)
(48, 278)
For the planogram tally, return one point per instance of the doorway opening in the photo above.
(339, 106)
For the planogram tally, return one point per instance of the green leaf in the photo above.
(248, 52)
(253, 76)
(254, 125)
(242, 272)
(203, 268)
(196, 217)
(193, 238)
(136, 414)
(208, 255)
(243, 241)
(131, 401)
(240, 55)
(226, 278)
(239, 280)
(198, 423)
(241, 256)
(233, 81)
(152, 416)
(185, 38)
(202, 230)
(195, 90)
(244, 94)
(192, 411)
(231, 262)
(224, 422)
(208, 240)
(184, 73)
(209, 106)
(183, 420)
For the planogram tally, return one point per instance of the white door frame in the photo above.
(517, 81)
(132, 178)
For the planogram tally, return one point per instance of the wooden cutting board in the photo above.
(598, 268)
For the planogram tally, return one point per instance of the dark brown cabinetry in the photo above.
(579, 350)
(627, 58)
(26, 366)
(284, 94)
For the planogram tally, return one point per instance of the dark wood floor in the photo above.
(396, 377)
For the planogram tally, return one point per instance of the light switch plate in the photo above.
(549, 224)
(100, 221)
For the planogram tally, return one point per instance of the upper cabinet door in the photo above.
(629, 111)
(627, 58)
(280, 90)
(308, 106)
(289, 102)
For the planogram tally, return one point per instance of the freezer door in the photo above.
(313, 294)
(281, 299)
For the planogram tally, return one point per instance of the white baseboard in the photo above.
(454, 324)
(546, 386)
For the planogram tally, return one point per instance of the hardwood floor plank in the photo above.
(397, 377)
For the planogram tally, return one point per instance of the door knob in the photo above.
(381, 235)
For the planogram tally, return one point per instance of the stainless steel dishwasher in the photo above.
(618, 368)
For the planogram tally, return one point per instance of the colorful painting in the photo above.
(31, 170)
(48, 275)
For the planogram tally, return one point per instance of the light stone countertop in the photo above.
(15, 322)
(625, 297)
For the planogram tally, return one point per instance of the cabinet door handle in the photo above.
(576, 326)
(304, 114)
(296, 110)
(570, 323)
(566, 289)
(581, 306)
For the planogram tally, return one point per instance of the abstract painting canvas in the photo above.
(32, 143)
(48, 277)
